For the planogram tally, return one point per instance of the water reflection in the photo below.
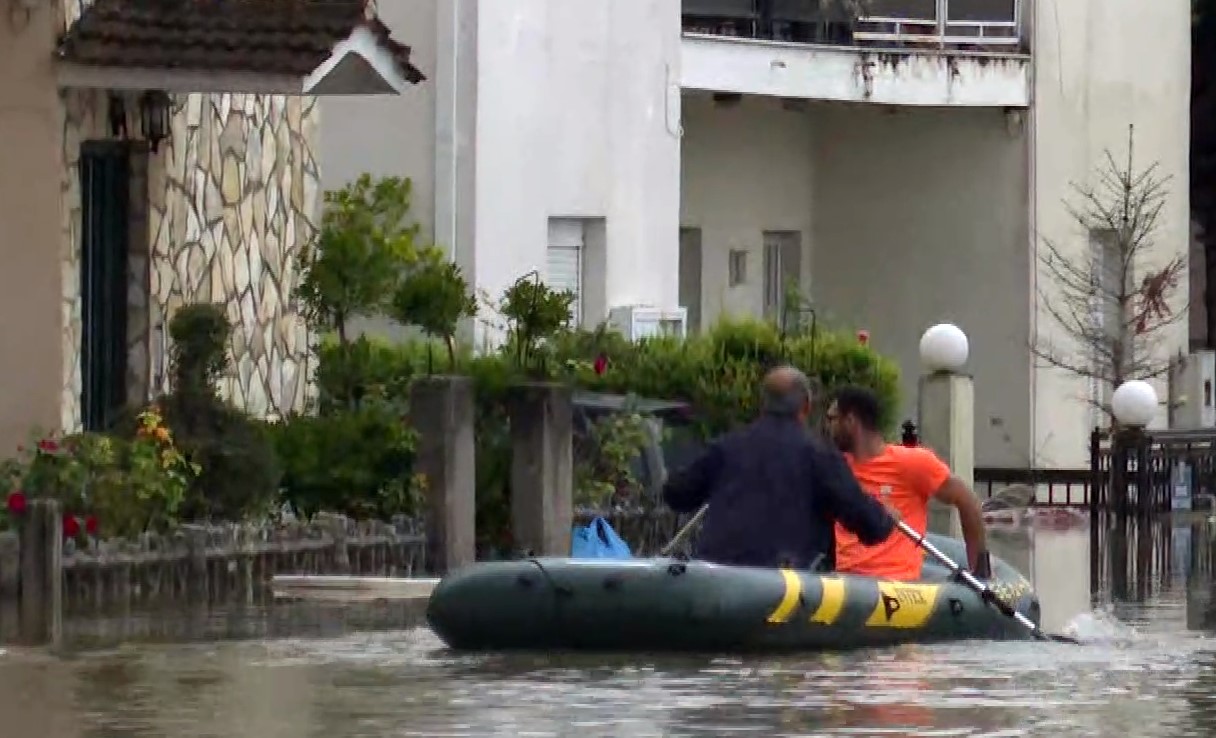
(372, 670)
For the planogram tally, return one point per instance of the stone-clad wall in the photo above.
(231, 200)
(233, 197)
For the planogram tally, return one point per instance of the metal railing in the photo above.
(971, 24)
(950, 23)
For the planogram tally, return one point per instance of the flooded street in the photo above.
(300, 671)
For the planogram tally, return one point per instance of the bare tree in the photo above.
(1113, 303)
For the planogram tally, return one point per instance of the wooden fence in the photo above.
(42, 579)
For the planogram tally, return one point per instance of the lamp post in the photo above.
(1134, 405)
(946, 412)
(944, 348)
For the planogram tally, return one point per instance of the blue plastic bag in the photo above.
(597, 540)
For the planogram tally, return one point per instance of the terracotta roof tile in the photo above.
(291, 37)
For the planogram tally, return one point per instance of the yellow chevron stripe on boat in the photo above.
(831, 602)
(903, 605)
(789, 600)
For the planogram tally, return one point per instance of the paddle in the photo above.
(683, 532)
(983, 590)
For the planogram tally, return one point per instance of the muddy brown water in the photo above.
(1144, 606)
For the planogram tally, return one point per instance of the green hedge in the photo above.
(346, 459)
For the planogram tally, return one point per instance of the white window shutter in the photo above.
(565, 262)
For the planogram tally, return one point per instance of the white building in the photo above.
(701, 153)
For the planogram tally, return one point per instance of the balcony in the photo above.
(898, 52)
(993, 26)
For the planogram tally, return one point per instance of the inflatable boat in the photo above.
(667, 604)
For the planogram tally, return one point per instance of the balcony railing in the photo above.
(982, 25)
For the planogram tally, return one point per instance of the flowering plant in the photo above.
(104, 483)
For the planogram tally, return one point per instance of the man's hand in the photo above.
(983, 565)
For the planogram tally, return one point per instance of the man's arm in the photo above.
(955, 493)
(860, 514)
(688, 489)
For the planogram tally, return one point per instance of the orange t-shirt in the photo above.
(904, 478)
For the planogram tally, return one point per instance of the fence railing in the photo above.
(1052, 487)
(971, 24)
(948, 24)
(43, 579)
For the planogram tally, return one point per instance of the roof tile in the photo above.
(291, 37)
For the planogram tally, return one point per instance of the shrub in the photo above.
(356, 462)
(239, 474)
(719, 372)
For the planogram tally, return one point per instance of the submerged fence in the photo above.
(42, 579)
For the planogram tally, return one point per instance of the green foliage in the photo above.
(356, 462)
(366, 243)
(435, 297)
(200, 336)
(239, 474)
(719, 372)
(128, 486)
(364, 367)
(356, 455)
(536, 314)
(603, 461)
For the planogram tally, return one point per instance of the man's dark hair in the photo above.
(861, 403)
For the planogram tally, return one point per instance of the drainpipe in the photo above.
(1032, 151)
(455, 5)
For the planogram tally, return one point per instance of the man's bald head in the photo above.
(787, 391)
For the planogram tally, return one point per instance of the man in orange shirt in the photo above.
(904, 479)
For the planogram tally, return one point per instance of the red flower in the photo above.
(91, 525)
(71, 526)
(863, 337)
(601, 364)
(46, 445)
(16, 503)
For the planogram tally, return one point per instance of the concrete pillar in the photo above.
(442, 411)
(947, 413)
(947, 425)
(542, 468)
(41, 604)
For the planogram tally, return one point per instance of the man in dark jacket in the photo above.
(775, 491)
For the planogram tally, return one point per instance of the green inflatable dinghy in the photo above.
(671, 605)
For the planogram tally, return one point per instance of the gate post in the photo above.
(1120, 451)
(1096, 483)
(41, 603)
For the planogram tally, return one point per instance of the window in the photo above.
(782, 271)
(564, 263)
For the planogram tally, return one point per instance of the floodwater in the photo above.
(1147, 669)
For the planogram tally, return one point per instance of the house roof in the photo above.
(275, 37)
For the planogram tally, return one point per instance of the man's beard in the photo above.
(844, 443)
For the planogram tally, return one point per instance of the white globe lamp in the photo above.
(1134, 403)
(944, 348)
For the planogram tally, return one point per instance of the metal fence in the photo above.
(994, 25)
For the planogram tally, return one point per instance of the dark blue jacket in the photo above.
(774, 492)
